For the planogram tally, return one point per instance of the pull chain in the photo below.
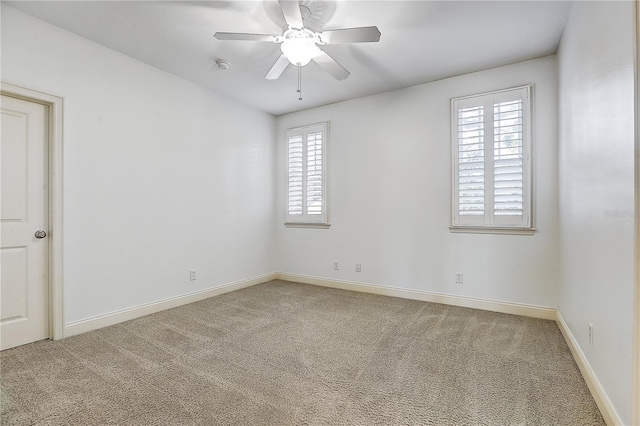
(299, 82)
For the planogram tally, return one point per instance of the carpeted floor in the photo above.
(282, 354)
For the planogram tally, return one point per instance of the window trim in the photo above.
(528, 163)
(322, 221)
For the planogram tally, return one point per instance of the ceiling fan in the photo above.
(301, 44)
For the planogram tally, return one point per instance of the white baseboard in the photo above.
(607, 410)
(426, 296)
(112, 318)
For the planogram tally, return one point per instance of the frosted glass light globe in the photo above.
(299, 51)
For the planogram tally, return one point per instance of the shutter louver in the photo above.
(508, 159)
(295, 175)
(471, 161)
(314, 174)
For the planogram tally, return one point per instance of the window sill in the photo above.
(307, 225)
(491, 230)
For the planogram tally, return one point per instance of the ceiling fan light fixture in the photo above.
(299, 51)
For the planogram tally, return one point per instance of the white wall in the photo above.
(596, 177)
(160, 175)
(390, 177)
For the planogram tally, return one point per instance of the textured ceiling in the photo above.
(421, 41)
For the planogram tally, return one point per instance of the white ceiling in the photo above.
(421, 41)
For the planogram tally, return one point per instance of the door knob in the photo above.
(40, 234)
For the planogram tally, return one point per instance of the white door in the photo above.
(24, 270)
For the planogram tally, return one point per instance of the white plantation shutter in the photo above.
(294, 203)
(306, 199)
(491, 160)
(314, 193)
(507, 158)
(471, 161)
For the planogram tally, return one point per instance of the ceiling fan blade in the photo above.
(291, 12)
(331, 66)
(277, 68)
(245, 37)
(351, 35)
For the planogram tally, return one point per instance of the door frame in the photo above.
(55, 104)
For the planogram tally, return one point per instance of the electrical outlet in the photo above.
(358, 267)
(459, 278)
(590, 334)
(336, 266)
(192, 275)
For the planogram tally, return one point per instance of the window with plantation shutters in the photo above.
(492, 162)
(306, 189)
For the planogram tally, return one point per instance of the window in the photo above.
(306, 200)
(492, 162)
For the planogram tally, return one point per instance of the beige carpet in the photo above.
(283, 354)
